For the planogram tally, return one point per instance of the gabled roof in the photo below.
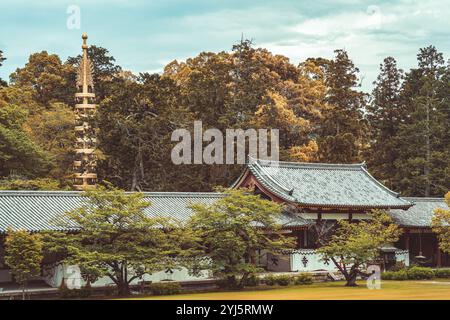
(420, 214)
(323, 185)
(36, 210)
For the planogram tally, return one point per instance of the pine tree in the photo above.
(385, 114)
(422, 167)
(342, 134)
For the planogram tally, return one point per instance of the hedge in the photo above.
(416, 273)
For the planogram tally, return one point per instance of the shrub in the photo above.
(67, 293)
(387, 275)
(400, 275)
(418, 273)
(269, 280)
(166, 288)
(442, 273)
(414, 273)
(252, 281)
(395, 275)
(303, 278)
(281, 280)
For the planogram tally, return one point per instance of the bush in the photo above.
(166, 288)
(400, 275)
(414, 273)
(303, 278)
(252, 281)
(281, 280)
(395, 275)
(418, 273)
(269, 280)
(442, 273)
(67, 293)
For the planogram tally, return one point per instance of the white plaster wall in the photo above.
(54, 277)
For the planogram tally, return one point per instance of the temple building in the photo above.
(313, 194)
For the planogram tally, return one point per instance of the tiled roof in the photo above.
(420, 214)
(36, 210)
(325, 185)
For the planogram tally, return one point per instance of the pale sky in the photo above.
(145, 35)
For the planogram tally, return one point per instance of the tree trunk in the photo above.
(123, 288)
(351, 280)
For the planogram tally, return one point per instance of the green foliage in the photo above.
(35, 184)
(342, 133)
(386, 113)
(23, 254)
(115, 238)
(422, 166)
(413, 273)
(18, 153)
(354, 244)
(395, 275)
(164, 288)
(252, 281)
(440, 224)
(285, 279)
(83, 293)
(442, 273)
(303, 278)
(233, 229)
(47, 76)
(419, 273)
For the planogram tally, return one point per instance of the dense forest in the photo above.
(401, 129)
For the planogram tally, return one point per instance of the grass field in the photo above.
(390, 290)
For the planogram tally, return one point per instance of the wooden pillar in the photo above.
(439, 256)
(407, 240)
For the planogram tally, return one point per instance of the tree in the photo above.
(20, 183)
(355, 243)
(2, 58)
(115, 238)
(52, 130)
(342, 135)
(23, 254)
(422, 166)
(386, 113)
(105, 70)
(233, 229)
(441, 225)
(135, 125)
(19, 155)
(47, 76)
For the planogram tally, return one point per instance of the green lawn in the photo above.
(392, 290)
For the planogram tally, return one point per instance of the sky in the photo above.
(144, 35)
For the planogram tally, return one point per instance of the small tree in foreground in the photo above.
(233, 229)
(23, 254)
(115, 238)
(356, 243)
(441, 225)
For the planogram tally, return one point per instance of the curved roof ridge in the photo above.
(272, 179)
(80, 193)
(312, 164)
(430, 199)
(382, 186)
